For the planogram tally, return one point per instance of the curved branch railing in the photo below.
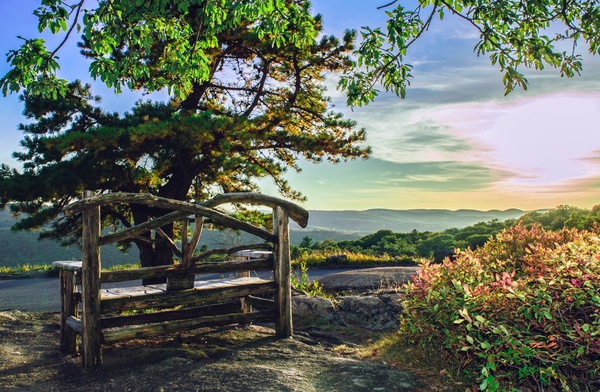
(297, 213)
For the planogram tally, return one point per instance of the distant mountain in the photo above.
(23, 247)
(370, 221)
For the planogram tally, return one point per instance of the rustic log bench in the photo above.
(95, 313)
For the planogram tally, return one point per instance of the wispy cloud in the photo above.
(538, 142)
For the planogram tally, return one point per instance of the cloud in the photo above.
(449, 176)
(536, 142)
(375, 175)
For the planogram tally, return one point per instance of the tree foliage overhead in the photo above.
(515, 34)
(153, 45)
(247, 103)
(244, 77)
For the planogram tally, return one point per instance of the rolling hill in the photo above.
(24, 247)
(369, 221)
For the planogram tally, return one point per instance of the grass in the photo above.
(122, 267)
(31, 270)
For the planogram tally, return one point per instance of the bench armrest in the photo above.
(68, 265)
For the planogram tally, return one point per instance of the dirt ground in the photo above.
(233, 358)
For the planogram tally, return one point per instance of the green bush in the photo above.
(523, 311)
(341, 257)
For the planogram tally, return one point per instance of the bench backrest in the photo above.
(94, 304)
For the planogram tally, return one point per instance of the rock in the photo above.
(313, 311)
(232, 358)
(374, 312)
(369, 279)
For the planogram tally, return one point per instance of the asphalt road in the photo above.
(43, 294)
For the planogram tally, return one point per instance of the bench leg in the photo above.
(283, 296)
(68, 337)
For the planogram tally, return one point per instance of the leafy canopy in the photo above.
(151, 45)
(513, 33)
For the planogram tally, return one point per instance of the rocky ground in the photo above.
(320, 357)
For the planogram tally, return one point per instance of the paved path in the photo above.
(42, 294)
(32, 294)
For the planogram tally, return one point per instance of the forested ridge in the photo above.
(410, 247)
(23, 247)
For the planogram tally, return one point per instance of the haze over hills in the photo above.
(370, 221)
(23, 247)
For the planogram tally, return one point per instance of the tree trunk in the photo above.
(152, 255)
(158, 252)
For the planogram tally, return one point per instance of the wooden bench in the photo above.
(96, 312)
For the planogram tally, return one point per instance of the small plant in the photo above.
(301, 282)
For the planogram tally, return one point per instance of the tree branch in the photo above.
(79, 7)
(470, 21)
(260, 92)
(387, 5)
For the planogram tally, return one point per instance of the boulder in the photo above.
(369, 279)
(313, 311)
(373, 312)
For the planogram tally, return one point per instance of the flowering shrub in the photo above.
(521, 311)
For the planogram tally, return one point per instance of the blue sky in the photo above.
(454, 142)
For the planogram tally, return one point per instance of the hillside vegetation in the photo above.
(319, 246)
(370, 221)
(23, 247)
(386, 246)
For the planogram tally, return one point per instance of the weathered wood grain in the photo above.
(75, 324)
(260, 303)
(168, 315)
(283, 296)
(203, 268)
(117, 334)
(203, 303)
(206, 291)
(297, 213)
(68, 308)
(90, 287)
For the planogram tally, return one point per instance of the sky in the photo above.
(455, 142)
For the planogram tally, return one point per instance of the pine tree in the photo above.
(247, 102)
